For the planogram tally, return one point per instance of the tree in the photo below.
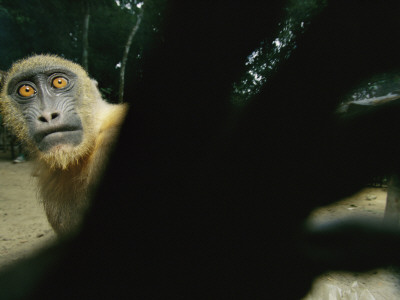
(263, 62)
(128, 44)
(91, 33)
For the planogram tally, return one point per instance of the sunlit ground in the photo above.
(380, 284)
(23, 224)
(24, 229)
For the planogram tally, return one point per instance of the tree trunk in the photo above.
(392, 210)
(125, 56)
(85, 39)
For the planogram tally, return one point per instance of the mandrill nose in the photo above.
(47, 117)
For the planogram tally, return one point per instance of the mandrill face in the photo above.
(50, 103)
(47, 101)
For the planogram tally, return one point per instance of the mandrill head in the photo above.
(50, 104)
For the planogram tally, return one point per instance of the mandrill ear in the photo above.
(94, 85)
(94, 81)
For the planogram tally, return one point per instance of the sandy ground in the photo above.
(24, 229)
(23, 224)
(380, 284)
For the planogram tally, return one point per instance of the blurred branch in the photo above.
(128, 44)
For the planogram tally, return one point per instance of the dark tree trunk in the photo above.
(392, 210)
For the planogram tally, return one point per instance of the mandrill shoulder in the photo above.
(110, 119)
(112, 116)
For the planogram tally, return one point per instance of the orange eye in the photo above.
(26, 90)
(59, 82)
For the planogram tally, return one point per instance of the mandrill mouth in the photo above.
(58, 135)
(41, 134)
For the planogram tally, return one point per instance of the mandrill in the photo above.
(56, 110)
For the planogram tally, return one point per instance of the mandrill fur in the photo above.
(56, 110)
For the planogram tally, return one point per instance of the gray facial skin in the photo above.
(47, 99)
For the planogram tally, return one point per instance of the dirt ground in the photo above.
(24, 229)
(379, 284)
(23, 225)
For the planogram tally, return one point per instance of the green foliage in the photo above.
(106, 92)
(53, 26)
(377, 86)
(264, 61)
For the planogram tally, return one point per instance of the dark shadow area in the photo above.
(184, 210)
(5, 156)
